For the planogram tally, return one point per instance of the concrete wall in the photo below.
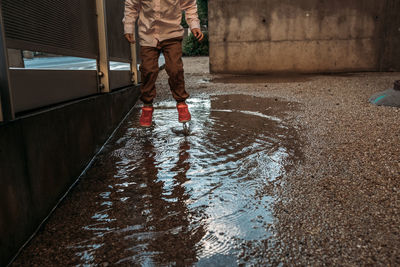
(42, 155)
(260, 36)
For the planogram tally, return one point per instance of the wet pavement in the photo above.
(158, 197)
(252, 79)
(277, 171)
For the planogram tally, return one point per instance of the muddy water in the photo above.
(156, 197)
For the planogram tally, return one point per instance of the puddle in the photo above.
(270, 78)
(158, 197)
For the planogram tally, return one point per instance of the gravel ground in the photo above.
(341, 204)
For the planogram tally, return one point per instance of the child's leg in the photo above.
(149, 72)
(172, 50)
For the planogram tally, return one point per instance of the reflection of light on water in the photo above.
(219, 236)
(95, 227)
(253, 113)
(102, 216)
(126, 184)
(218, 182)
(105, 195)
(123, 199)
(88, 254)
(106, 203)
(231, 219)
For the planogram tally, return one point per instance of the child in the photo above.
(160, 31)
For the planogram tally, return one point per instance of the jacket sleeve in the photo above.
(132, 9)
(190, 8)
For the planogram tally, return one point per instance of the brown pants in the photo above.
(172, 50)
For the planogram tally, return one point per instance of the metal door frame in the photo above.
(6, 102)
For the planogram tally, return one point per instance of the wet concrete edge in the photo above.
(42, 155)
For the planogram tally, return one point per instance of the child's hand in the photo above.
(130, 37)
(198, 34)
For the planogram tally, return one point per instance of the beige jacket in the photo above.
(159, 20)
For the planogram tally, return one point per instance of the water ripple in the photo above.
(180, 200)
